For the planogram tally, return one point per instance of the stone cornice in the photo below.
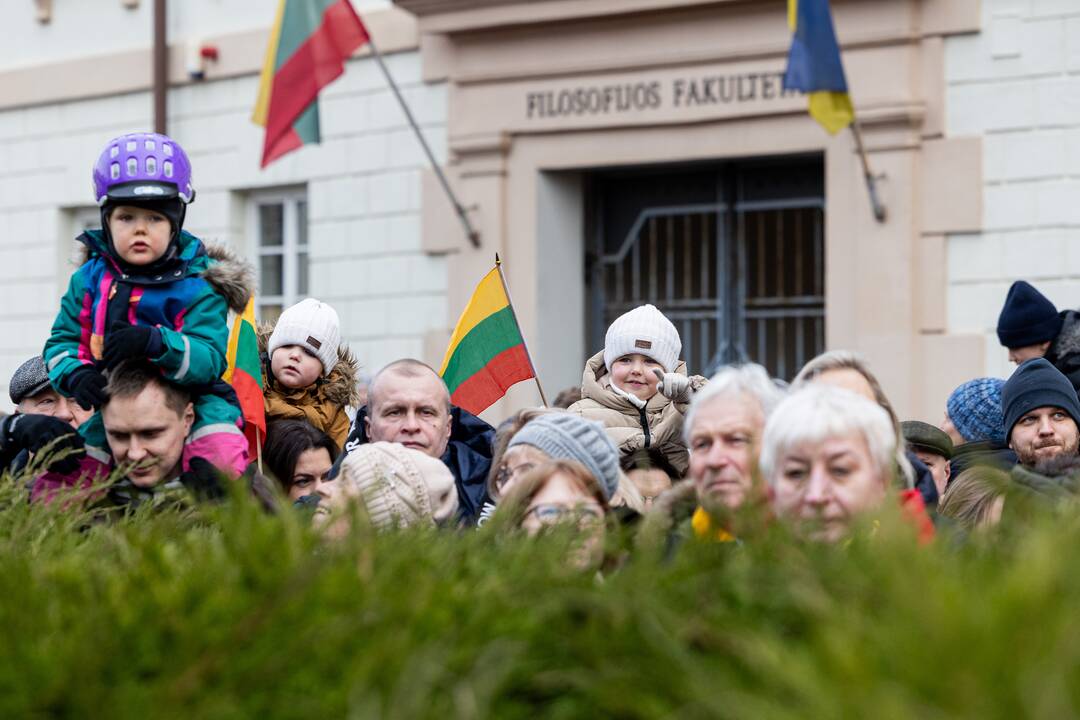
(450, 16)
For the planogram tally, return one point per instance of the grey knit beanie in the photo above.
(565, 436)
(28, 380)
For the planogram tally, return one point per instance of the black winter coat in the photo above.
(1064, 351)
(924, 481)
(987, 452)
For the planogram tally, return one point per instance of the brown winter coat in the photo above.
(321, 404)
(623, 421)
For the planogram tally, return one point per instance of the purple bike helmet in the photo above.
(142, 167)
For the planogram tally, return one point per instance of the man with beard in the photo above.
(1041, 414)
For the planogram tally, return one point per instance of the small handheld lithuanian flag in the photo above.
(814, 64)
(487, 352)
(309, 44)
(245, 375)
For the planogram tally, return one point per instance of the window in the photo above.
(71, 252)
(733, 254)
(85, 218)
(280, 242)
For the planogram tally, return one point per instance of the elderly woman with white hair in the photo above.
(845, 369)
(829, 456)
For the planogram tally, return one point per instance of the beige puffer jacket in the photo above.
(623, 421)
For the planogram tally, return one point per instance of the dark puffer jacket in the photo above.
(468, 455)
(1064, 351)
(986, 453)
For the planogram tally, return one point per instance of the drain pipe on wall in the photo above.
(161, 67)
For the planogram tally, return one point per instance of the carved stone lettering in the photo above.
(679, 92)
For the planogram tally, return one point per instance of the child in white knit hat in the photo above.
(638, 388)
(308, 374)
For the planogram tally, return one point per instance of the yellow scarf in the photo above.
(704, 530)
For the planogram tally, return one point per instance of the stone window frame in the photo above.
(292, 247)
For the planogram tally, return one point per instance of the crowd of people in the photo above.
(126, 407)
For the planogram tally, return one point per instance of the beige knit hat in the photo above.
(399, 486)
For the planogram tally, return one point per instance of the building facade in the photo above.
(339, 221)
(612, 152)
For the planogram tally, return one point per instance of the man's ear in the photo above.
(189, 418)
(948, 469)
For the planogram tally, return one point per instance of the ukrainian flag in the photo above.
(814, 65)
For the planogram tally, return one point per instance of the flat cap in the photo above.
(28, 380)
(924, 436)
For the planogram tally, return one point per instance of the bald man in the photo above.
(408, 403)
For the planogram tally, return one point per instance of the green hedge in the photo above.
(228, 612)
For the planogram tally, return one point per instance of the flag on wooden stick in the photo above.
(487, 352)
(244, 374)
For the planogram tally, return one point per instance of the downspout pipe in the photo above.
(161, 67)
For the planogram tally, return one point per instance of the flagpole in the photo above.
(510, 304)
(871, 181)
(258, 448)
(470, 232)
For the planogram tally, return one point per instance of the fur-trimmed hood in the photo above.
(231, 276)
(226, 271)
(340, 387)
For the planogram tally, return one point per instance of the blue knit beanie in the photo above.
(1027, 318)
(975, 410)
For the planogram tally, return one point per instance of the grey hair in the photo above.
(816, 413)
(749, 379)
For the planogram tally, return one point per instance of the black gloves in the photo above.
(87, 386)
(34, 432)
(123, 342)
(204, 480)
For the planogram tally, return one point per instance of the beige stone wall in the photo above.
(509, 63)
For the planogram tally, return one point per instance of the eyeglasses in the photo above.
(552, 514)
(507, 474)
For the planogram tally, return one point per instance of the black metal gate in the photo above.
(733, 254)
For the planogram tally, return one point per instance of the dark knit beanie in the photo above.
(1027, 318)
(1035, 384)
(975, 410)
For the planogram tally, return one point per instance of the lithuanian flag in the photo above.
(245, 375)
(309, 44)
(814, 64)
(487, 352)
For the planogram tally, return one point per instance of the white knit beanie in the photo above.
(646, 331)
(401, 487)
(310, 324)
